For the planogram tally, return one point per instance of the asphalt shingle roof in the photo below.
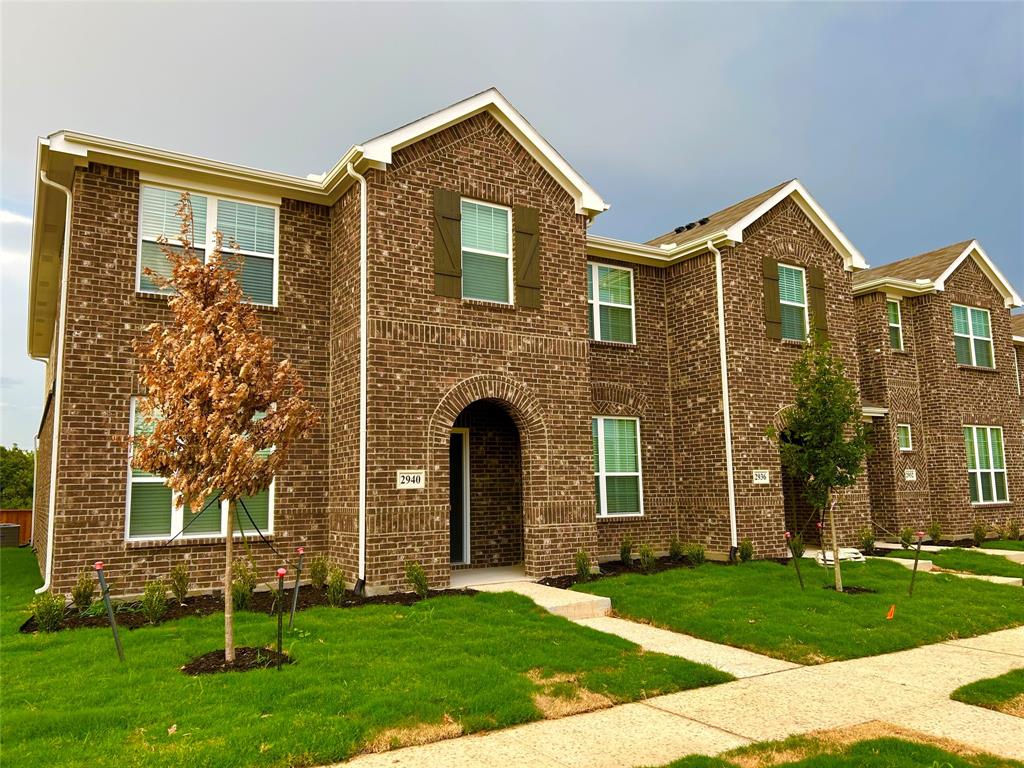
(925, 266)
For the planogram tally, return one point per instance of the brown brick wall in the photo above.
(41, 489)
(104, 316)
(760, 369)
(431, 356)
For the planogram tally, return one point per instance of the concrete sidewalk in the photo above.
(909, 689)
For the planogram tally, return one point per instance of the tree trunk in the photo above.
(835, 544)
(229, 608)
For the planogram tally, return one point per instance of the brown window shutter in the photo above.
(819, 315)
(447, 243)
(772, 308)
(526, 252)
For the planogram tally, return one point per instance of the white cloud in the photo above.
(13, 262)
(10, 217)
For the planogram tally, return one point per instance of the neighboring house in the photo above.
(937, 357)
(499, 387)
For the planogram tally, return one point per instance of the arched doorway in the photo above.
(485, 488)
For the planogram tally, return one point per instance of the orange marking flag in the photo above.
(891, 613)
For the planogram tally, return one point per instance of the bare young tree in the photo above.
(224, 413)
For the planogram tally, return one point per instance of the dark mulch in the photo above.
(614, 568)
(852, 590)
(245, 659)
(129, 614)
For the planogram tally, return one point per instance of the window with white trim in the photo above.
(618, 484)
(252, 228)
(972, 336)
(154, 511)
(894, 312)
(486, 252)
(610, 303)
(986, 465)
(904, 437)
(793, 302)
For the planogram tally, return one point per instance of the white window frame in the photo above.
(209, 238)
(804, 306)
(899, 322)
(595, 302)
(178, 508)
(483, 252)
(910, 438)
(601, 475)
(1016, 369)
(992, 472)
(971, 337)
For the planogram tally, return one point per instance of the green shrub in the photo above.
(1012, 531)
(694, 554)
(648, 562)
(582, 566)
(746, 551)
(906, 537)
(48, 610)
(417, 578)
(82, 592)
(318, 571)
(626, 552)
(866, 539)
(180, 582)
(335, 586)
(243, 585)
(676, 551)
(154, 601)
(934, 531)
(979, 532)
(796, 545)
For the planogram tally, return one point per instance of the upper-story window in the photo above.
(793, 301)
(249, 235)
(486, 252)
(610, 303)
(972, 336)
(895, 325)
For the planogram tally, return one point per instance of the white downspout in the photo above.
(723, 362)
(58, 378)
(362, 371)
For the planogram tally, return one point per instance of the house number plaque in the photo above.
(410, 478)
(761, 477)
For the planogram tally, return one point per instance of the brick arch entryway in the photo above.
(501, 426)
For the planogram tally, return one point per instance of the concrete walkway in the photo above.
(909, 689)
(735, 661)
(561, 602)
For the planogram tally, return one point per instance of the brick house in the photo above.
(499, 387)
(937, 355)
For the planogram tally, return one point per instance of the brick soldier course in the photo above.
(522, 379)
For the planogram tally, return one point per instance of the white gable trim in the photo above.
(382, 148)
(852, 258)
(1010, 297)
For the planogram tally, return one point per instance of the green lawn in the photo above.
(1004, 693)
(1014, 544)
(811, 752)
(968, 561)
(759, 606)
(360, 671)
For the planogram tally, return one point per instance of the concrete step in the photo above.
(561, 602)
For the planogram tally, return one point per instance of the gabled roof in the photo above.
(61, 152)
(726, 227)
(929, 272)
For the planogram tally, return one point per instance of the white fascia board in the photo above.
(852, 258)
(1010, 297)
(894, 286)
(382, 148)
(874, 410)
(1018, 339)
(641, 253)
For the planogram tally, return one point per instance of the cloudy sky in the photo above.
(906, 121)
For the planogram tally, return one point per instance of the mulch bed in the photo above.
(245, 659)
(852, 590)
(129, 614)
(614, 568)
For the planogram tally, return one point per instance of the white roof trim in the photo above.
(851, 256)
(382, 148)
(1010, 297)
(874, 411)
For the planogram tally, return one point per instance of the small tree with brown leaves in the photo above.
(224, 414)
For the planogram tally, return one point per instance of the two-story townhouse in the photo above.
(498, 387)
(937, 355)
